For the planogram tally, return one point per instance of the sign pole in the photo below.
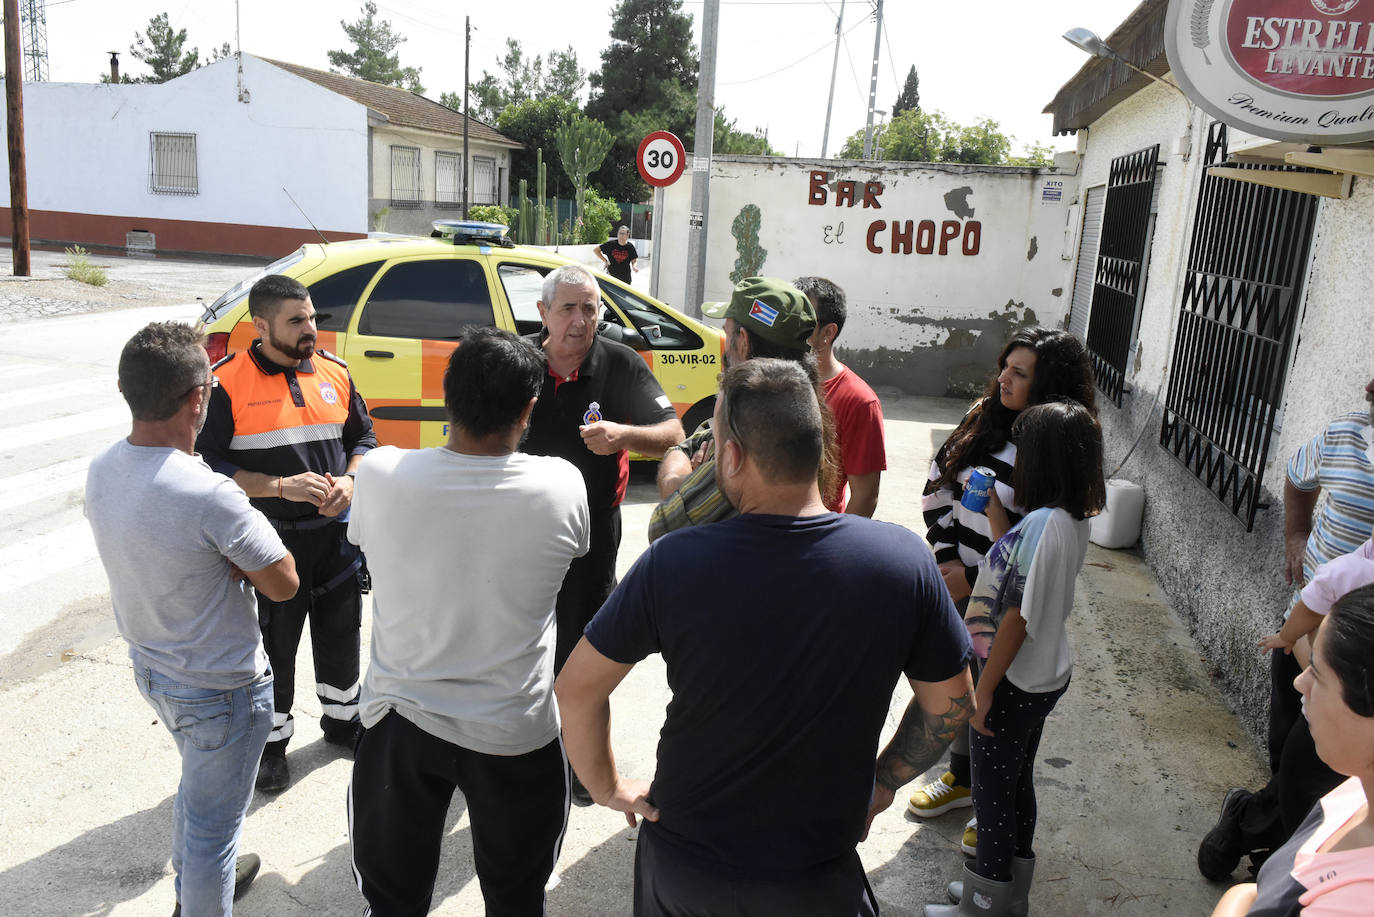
(654, 262)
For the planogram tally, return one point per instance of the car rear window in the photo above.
(433, 300)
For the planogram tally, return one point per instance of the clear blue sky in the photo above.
(995, 58)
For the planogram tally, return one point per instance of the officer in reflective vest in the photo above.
(287, 424)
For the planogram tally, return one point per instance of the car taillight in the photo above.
(217, 346)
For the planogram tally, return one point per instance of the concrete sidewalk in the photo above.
(1133, 765)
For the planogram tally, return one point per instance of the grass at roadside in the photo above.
(80, 268)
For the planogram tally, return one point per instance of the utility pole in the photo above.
(873, 84)
(467, 53)
(701, 162)
(14, 112)
(839, 25)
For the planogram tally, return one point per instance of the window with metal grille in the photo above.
(448, 179)
(1237, 322)
(1120, 276)
(405, 176)
(483, 180)
(172, 163)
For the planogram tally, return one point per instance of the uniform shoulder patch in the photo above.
(329, 356)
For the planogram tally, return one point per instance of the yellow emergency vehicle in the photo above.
(392, 308)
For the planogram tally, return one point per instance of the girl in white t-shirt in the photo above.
(1023, 597)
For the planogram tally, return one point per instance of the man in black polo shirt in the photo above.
(599, 403)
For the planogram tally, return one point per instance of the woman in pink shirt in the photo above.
(1327, 868)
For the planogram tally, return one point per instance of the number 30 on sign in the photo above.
(661, 159)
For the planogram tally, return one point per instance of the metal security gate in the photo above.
(1086, 268)
(1120, 267)
(1237, 321)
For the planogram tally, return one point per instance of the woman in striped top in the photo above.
(1035, 366)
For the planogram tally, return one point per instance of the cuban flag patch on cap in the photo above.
(763, 312)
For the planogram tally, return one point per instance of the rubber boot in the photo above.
(980, 898)
(1022, 872)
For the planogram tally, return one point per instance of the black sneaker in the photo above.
(273, 774)
(1220, 851)
(245, 871)
(580, 796)
(347, 735)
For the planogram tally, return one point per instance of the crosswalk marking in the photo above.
(82, 389)
(20, 370)
(45, 555)
(31, 434)
(42, 483)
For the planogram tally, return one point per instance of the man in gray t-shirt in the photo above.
(181, 546)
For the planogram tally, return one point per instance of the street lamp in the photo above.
(1086, 40)
(878, 133)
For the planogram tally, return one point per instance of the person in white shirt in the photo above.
(468, 544)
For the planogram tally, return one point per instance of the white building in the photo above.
(1229, 321)
(223, 162)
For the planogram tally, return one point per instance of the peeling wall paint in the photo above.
(938, 261)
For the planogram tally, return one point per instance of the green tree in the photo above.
(1036, 155)
(565, 78)
(910, 96)
(533, 123)
(647, 82)
(920, 136)
(522, 79)
(163, 49)
(373, 56)
(729, 139)
(221, 52)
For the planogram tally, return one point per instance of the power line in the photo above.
(755, 79)
(891, 61)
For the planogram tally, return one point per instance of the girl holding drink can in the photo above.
(1018, 616)
(1036, 365)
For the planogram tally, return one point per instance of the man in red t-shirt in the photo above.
(857, 411)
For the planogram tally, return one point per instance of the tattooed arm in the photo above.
(936, 711)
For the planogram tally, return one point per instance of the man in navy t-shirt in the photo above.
(768, 767)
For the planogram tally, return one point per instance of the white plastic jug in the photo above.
(1118, 525)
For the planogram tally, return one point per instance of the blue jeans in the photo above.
(220, 735)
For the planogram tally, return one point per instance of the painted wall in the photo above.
(1225, 583)
(88, 160)
(940, 262)
(385, 217)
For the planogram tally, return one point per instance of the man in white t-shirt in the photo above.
(468, 545)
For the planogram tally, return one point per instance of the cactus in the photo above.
(745, 229)
(541, 211)
(525, 233)
(582, 145)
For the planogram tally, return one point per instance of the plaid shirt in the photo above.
(698, 501)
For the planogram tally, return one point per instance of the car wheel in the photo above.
(698, 414)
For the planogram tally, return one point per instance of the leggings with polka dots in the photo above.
(1003, 776)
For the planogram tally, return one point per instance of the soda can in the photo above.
(976, 492)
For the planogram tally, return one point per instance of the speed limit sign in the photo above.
(661, 159)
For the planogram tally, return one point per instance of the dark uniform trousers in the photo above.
(329, 597)
(590, 580)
